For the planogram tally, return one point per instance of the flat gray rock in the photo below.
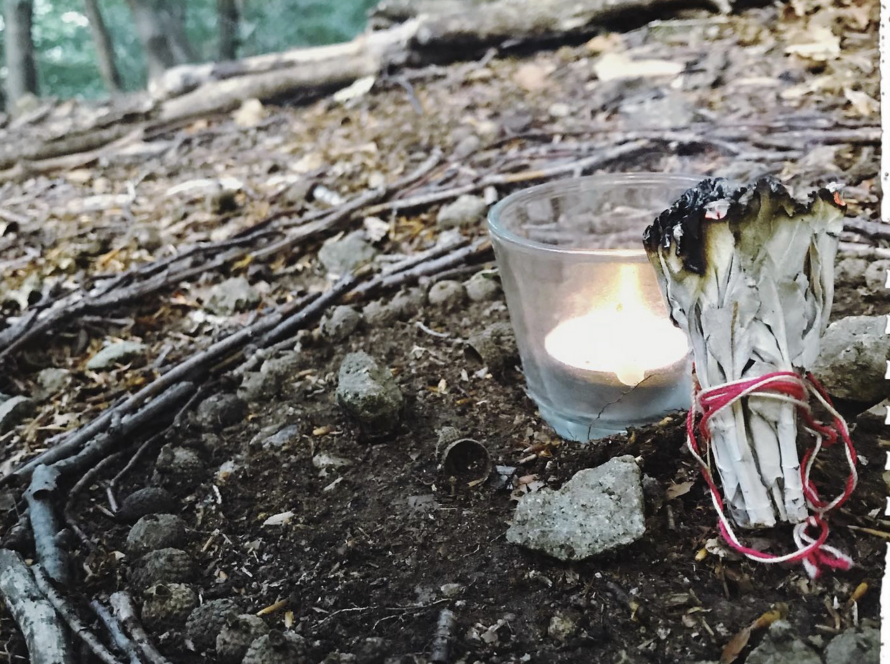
(114, 354)
(231, 296)
(853, 358)
(52, 381)
(599, 509)
(340, 256)
(855, 647)
(466, 210)
(782, 646)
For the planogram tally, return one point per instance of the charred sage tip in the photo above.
(748, 273)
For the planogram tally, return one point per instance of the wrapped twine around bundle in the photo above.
(748, 273)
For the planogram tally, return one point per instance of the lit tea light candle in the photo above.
(617, 337)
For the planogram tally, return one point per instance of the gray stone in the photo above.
(853, 647)
(155, 531)
(562, 627)
(325, 461)
(236, 637)
(206, 622)
(168, 605)
(466, 146)
(466, 210)
(853, 359)
(231, 296)
(402, 306)
(482, 287)
(150, 500)
(876, 277)
(114, 354)
(372, 650)
(280, 438)
(599, 509)
(268, 381)
(52, 381)
(369, 394)
(13, 410)
(340, 256)
(666, 110)
(277, 647)
(219, 411)
(448, 295)
(782, 646)
(495, 347)
(377, 313)
(343, 321)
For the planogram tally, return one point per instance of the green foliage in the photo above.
(66, 57)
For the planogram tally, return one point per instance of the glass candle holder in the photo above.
(598, 349)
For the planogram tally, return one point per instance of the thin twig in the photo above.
(116, 630)
(125, 611)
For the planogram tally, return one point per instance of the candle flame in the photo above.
(623, 337)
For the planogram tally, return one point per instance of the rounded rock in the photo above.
(162, 566)
(156, 531)
(277, 647)
(237, 636)
(447, 295)
(369, 394)
(853, 359)
(150, 500)
(464, 211)
(482, 287)
(876, 277)
(851, 271)
(168, 605)
(495, 347)
(342, 322)
(207, 621)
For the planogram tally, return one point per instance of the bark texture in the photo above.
(21, 78)
(104, 46)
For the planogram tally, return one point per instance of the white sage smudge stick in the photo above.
(748, 273)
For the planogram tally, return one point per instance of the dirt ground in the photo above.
(374, 551)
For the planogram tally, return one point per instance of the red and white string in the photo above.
(786, 386)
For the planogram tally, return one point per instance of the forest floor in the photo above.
(361, 558)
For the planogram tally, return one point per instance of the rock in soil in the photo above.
(150, 500)
(177, 464)
(340, 256)
(465, 211)
(51, 381)
(206, 622)
(876, 278)
(268, 381)
(156, 531)
(231, 296)
(168, 605)
(342, 322)
(562, 626)
(279, 439)
(782, 646)
(853, 359)
(277, 647)
(854, 647)
(114, 354)
(13, 410)
(482, 287)
(219, 411)
(448, 295)
(162, 566)
(369, 394)
(599, 509)
(402, 307)
(325, 462)
(236, 637)
(851, 271)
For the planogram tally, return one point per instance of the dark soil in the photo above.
(369, 548)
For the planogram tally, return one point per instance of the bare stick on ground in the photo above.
(116, 630)
(126, 613)
(37, 619)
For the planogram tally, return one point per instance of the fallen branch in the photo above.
(44, 635)
(69, 615)
(116, 630)
(87, 478)
(45, 523)
(125, 611)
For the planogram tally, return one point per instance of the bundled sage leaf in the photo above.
(748, 273)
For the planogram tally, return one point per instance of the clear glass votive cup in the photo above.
(598, 349)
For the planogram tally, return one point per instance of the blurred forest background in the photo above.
(65, 58)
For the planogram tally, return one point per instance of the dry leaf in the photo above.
(677, 490)
(617, 66)
(862, 102)
(820, 44)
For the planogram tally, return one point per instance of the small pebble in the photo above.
(448, 295)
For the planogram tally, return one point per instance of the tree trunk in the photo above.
(104, 47)
(162, 35)
(21, 78)
(227, 13)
